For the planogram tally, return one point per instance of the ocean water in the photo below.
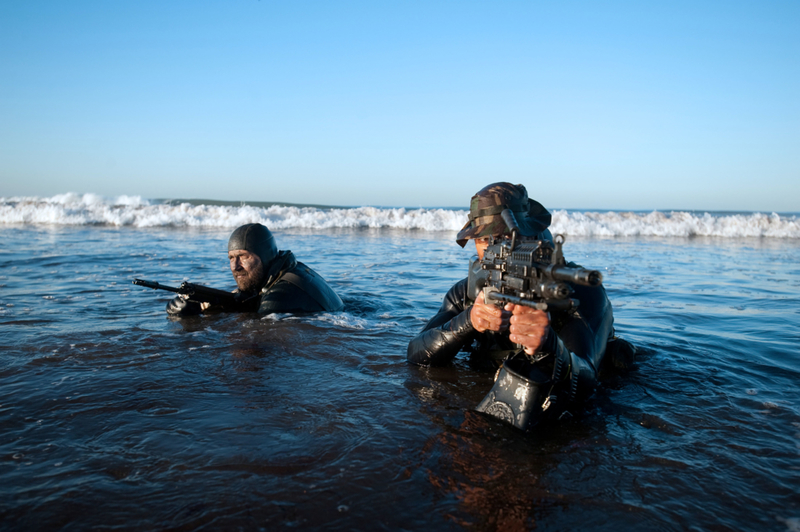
(115, 417)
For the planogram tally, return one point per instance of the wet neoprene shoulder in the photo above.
(299, 289)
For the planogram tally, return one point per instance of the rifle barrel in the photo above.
(576, 275)
(154, 285)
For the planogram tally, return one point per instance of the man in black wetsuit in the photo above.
(268, 280)
(554, 358)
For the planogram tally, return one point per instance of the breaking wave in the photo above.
(675, 223)
(92, 209)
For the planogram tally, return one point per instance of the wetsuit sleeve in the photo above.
(584, 334)
(446, 333)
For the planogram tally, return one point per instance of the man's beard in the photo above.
(250, 281)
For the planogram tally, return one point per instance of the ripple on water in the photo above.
(230, 421)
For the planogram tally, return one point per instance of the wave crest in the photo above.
(92, 209)
(675, 223)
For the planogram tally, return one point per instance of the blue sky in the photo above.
(594, 105)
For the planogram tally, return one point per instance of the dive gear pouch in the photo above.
(518, 393)
(523, 394)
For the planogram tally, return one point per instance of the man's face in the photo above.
(480, 246)
(247, 270)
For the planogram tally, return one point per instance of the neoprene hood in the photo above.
(256, 239)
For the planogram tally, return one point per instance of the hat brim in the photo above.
(531, 224)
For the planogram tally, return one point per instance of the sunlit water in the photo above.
(115, 417)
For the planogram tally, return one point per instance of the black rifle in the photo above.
(197, 293)
(529, 272)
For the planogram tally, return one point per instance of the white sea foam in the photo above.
(92, 209)
(675, 223)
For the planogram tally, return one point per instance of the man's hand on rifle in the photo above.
(181, 305)
(529, 327)
(526, 326)
(488, 317)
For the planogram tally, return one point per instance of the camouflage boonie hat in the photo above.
(490, 201)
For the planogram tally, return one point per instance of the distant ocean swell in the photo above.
(91, 209)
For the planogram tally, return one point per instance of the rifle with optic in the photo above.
(525, 271)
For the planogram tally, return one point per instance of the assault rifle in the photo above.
(196, 293)
(529, 272)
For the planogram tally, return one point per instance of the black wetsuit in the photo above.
(584, 332)
(290, 286)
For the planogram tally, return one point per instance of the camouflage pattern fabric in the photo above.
(486, 206)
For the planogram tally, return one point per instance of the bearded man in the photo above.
(268, 280)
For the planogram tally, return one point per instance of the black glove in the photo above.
(180, 306)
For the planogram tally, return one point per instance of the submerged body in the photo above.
(269, 281)
(566, 365)
(295, 289)
(548, 361)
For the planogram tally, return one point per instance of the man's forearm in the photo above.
(437, 346)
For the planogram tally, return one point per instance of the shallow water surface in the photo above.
(114, 416)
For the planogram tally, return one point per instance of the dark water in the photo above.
(114, 417)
